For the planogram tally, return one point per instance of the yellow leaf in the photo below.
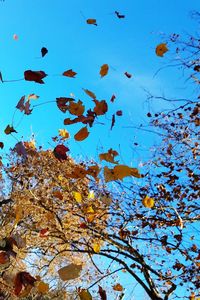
(60, 177)
(89, 93)
(82, 134)
(109, 156)
(85, 295)
(89, 210)
(91, 22)
(64, 134)
(90, 218)
(77, 197)
(42, 287)
(104, 70)
(76, 109)
(118, 287)
(91, 195)
(148, 202)
(70, 272)
(161, 49)
(96, 247)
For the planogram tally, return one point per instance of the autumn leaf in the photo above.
(96, 247)
(44, 51)
(93, 171)
(58, 194)
(148, 202)
(91, 22)
(42, 287)
(89, 93)
(119, 15)
(101, 107)
(128, 74)
(118, 287)
(119, 172)
(1, 145)
(36, 76)
(77, 197)
(112, 122)
(1, 77)
(62, 103)
(161, 49)
(70, 272)
(109, 156)
(9, 129)
(104, 70)
(60, 152)
(20, 149)
(119, 113)
(64, 134)
(82, 134)
(113, 98)
(69, 73)
(32, 97)
(102, 293)
(76, 109)
(44, 232)
(4, 258)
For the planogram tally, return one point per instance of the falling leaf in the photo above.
(69, 73)
(32, 97)
(113, 98)
(148, 202)
(64, 134)
(62, 103)
(60, 152)
(82, 134)
(77, 197)
(93, 171)
(85, 295)
(76, 109)
(1, 145)
(96, 247)
(102, 293)
(119, 113)
(119, 172)
(44, 51)
(101, 107)
(118, 287)
(91, 22)
(15, 37)
(1, 77)
(109, 156)
(128, 74)
(20, 149)
(119, 15)
(9, 129)
(113, 121)
(70, 272)
(36, 76)
(104, 70)
(42, 287)
(89, 93)
(161, 49)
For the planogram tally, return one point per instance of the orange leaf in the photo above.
(89, 93)
(104, 70)
(118, 287)
(109, 156)
(119, 172)
(42, 287)
(69, 73)
(161, 49)
(4, 258)
(76, 109)
(93, 171)
(148, 202)
(91, 22)
(82, 134)
(101, 107)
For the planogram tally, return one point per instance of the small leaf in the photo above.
(42, 287)
(91, 22)
(62, 103)
(15, 37)
(64, 134)
(58, 194)
(128, 74)
(119, 113)
(76, 109)
(77, 197)
(36, 76)
(96, 247)
(9, 129)
(161, 49)
(119, 15)
(82, 134)
(70, 272)
(89, 93)
(44, 51)
(70, 73)
(113, 98)
(1, 77)
(102, 293)
(104, 70)
(101, 107)
(118, 287)
(148, 202)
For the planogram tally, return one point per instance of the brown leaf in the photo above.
(69, 73)
(113, 121)
(109, 156)
(61, 103)
(113, 98)
(70, 272)
(102, 293)
(76, 109)
(9, 129)
(4, 258)
(161, 49)
(82, 134)
(44, 51)
(89, 93)
(118, 287)
(104, 70)
(91, 22)
(128, 74)
(36, 76)
(119, 113)
(101, 107)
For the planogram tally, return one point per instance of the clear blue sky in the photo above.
(124, 44)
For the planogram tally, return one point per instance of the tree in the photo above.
(56, 213)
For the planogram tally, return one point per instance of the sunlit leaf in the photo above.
(96, 247)
(148, 202)
(64, 134)
(77, 197)
(109, 156)
(118, 287)
(42, 287)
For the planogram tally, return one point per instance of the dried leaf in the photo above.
(1, 77)
(119, 15)
(89, 93)
(60, 152)
(61, 103)
(77, 197)
(101, 107)
(113, 122)
(91, 22)
(113, 98)
(9, 129)
(70, 272)
(4, 258)
(58, 194)
(148, 202)
(69, 73)
(82, 134)
(104, 70)
(118, 287)
(161, 49)
(35, 76)
(42, 287)
(96, 247)
(44, 51)
(128, 74)
(76, 109)
(109, 156)
(119, 172)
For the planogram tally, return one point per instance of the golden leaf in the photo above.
(77, 197)
(96, 247)
(91, 218)
(64, 134)
(70, 272)
(76, 109)
(161, 49)
(18, 214)
(118, 287)
(85, 295)
(82, 134)
(119, 172)
(42, 287)
(104, 70)
(148, 202)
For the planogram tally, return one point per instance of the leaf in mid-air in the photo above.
(91, 22)
(104, 70)
(69, 73)
(36, 76)
(161, 49)
(82, 134)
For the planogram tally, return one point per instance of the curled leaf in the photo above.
(44, 51)
(9, 129)
(89, 93)
(109, 156)
(161, 49)
(76, 109)
(82, 134)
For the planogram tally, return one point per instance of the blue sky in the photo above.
(124, 44)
